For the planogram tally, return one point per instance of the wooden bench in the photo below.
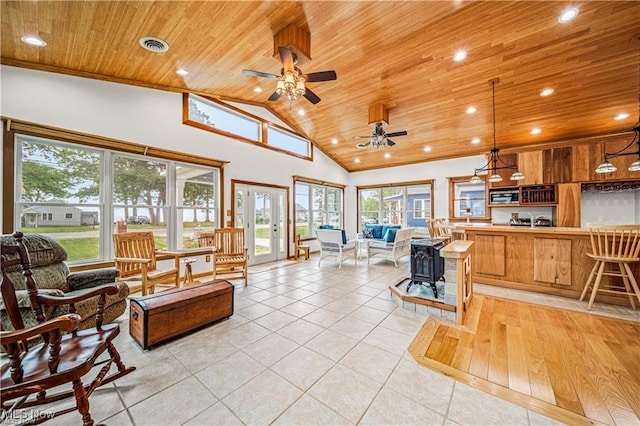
(159, 317)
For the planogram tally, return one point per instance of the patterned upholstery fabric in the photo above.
(52, 277)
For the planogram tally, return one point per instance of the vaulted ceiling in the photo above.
(396, 54)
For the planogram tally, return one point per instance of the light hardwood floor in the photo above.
(576, 367)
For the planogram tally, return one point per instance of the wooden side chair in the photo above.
(54, 359)
(301, 248)
(618, 245)
(230, 254)
(137, 260)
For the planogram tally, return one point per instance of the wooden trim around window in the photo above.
(312, 181)
(264, 124)
(393, 184)
(11, 127)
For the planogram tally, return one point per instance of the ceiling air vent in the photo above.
(153, 44)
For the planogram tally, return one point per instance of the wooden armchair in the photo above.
(230, 255)
(61, 359)
(137, 260)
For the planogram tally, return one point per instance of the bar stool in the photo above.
(618, 245)
(304, 249)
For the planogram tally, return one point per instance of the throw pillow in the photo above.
(325, 227)
(390, 235)
(367, 233)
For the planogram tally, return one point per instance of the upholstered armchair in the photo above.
(53, 278)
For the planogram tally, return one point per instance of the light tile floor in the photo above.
(306, 345)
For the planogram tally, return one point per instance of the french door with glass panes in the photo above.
(262, 211)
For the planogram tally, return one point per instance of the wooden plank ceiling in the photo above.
(394, 53)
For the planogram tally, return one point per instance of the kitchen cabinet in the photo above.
(586, 158)
(490, 254)
(557, 165)
(530, 164)
(568, 209)
(552, 260)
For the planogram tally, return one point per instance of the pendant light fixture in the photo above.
(492, 165)
(606, 166)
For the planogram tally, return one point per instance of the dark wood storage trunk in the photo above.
(158, 317)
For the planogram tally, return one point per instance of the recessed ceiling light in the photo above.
(300, 111)
(334, 141)
(535, 131)
(387, 155)
(546, 92)
(34, 41)
(357, 160)
(568, 15)
(459, 55)
(621, 116)
(471, 110)
(475, 141)
(427, 149)
(182, 71)
(257, 89)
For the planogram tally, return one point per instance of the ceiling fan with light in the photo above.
(379, 137)
(291, 81)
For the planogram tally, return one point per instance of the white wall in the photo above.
(148, 116)
(153, 117)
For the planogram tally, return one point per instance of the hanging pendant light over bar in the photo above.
(492, 165)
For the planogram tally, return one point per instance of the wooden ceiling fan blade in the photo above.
(362, 137)
(274, 96)
(320, 76)
(311, 97)
(363, 145)
(394, 134)
(286, 57)
(259, 74)
(390, 142)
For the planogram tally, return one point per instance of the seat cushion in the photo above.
(390, 235)
(377, 230)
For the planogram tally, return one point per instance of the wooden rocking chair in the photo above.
(59, 359)
(230, 254)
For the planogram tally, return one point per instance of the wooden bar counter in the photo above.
(545, 260)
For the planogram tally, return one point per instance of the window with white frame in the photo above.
(315, 205)
(406, 205)
(86, 194)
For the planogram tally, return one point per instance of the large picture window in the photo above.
(317, 204)
(409, 205)
(81, 196)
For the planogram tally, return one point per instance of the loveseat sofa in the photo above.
(379, 233)
(53, 278)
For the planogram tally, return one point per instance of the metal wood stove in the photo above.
(427, 266)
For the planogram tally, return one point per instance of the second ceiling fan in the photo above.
(379, 137)
(291, 81)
